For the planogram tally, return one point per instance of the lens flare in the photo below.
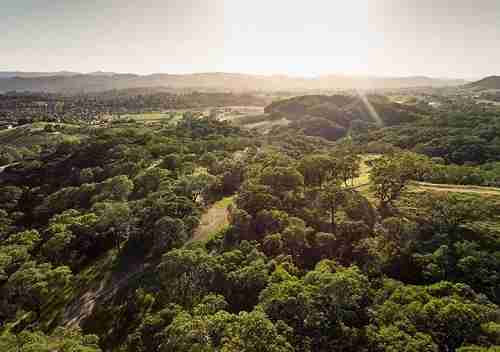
(369, 107)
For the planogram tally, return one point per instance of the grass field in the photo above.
(235, 113)
(410, 200)
(425, 186)
(363, 184)
(213, 220)
(152, 116)
(364, 172)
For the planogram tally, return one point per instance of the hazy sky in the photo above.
(453, 38)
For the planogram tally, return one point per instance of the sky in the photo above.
(439, 38)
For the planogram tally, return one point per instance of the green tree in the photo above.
(317, 169)
(390, 175)
(392, 339)
(9, 197)
(34, 285)
(331, 197)
(195, 186)
(326, 308)
(62, 340)
(150, 181)
(116, 188)
(281, 179)
(168, 233)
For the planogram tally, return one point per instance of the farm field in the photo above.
(228, 113)
(150, 116)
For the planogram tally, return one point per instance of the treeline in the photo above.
(435, 170)
(142, 100)
(468, 136)
(483, 175)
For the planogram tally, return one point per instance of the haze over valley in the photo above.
(59, 82)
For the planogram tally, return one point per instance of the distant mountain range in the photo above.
(71, 82)
(491, 82)
(10, 74)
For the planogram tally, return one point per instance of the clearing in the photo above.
(213, 220)
(425, 186)
(154, 116)
(364, 170)
(362, 183)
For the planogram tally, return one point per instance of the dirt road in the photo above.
(213, 220)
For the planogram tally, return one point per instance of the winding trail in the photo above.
(83, 306)
(434, 187)
(4, 167)
(363, 182)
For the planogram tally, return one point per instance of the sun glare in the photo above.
(371, 110)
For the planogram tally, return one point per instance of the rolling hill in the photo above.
(67, 82)
(331, 117)
(11, 74)
(491, 82)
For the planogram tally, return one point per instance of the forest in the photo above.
(336, 232)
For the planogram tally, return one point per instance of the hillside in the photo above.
(332, 117)
(464, 135)
(11, 74)
(68, 83)
(491, 82)
(34, 140)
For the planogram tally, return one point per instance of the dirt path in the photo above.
(425, 186)
(363, 181)
(4, 167)
(214, 219)
(83, 306)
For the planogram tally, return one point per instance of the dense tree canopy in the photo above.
(312, 246)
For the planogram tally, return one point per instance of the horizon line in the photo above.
(288, 75)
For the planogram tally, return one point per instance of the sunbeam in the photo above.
(371, 110)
